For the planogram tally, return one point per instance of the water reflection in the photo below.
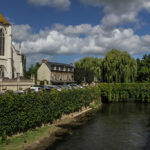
(123, 126)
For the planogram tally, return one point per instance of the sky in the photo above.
(68, 30)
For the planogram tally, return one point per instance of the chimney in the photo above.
(44, 61)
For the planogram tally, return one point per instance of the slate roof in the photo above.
(52, 64)
(3, 20)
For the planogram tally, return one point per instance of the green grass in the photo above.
(23, 140)
(94, 105)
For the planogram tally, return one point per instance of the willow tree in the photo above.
(88, 68)
(119, 67)
(144, 69)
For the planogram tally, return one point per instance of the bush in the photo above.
(138, 92)
(19, 113)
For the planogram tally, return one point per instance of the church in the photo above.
(10, 59)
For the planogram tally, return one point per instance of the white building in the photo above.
(10, 58)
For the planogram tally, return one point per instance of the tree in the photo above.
(32, 71)
(24, 64)
(79, 73)
(144, 69)
(119, 67)
(88, 68)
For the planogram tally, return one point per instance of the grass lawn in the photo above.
(28, 138)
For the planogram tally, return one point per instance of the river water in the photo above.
(120, 126)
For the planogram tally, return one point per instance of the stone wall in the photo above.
(15, 84)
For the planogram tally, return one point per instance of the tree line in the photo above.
(115, 67)
(31, 71)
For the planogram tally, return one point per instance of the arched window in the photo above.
(2, 68)
(2, 42)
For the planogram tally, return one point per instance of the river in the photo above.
(119, 126)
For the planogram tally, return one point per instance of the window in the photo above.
(68, 77)
(64, 69)
(64, 77)
(2, 42)
(54, 67)
(53, 77)
(57, 68)
(2, 71)
(59, 77)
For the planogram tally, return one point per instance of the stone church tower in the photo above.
(10, 58)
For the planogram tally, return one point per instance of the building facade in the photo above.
(15, 84)
(55, 73)
(10, 58)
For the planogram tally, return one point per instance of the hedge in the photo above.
(19, 113)
(131, 92)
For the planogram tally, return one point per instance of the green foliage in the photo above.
(88, 68)
(138, 92)
(144, 69)
(24, 63)
(4, 137)
(19, 113)
(79, 73)
(119, 67)
(32, 71)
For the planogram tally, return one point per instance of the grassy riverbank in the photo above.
(19, 142)
(46, 135)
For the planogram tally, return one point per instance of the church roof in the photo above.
(3, 20)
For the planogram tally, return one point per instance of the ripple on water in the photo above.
(116, 127)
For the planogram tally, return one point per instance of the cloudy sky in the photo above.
(67, 30)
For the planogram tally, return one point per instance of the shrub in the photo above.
(19, 113)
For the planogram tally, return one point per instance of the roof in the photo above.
(3, 20)
(49, 64)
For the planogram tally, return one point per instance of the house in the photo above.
(10, 58)
(55, 73)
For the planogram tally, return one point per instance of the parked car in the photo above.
(35, 89)
(19, 92)
(80, 86)
(58, 88)
(47, 88)
(67, 87)
(73, 86)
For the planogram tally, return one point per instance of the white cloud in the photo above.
(120, 11)
(34, 58)
(21, 32)
(59, 4)
(82, 39)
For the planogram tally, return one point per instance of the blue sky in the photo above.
(67, 30)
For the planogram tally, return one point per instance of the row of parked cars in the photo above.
(57, 87)
(49, 88)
